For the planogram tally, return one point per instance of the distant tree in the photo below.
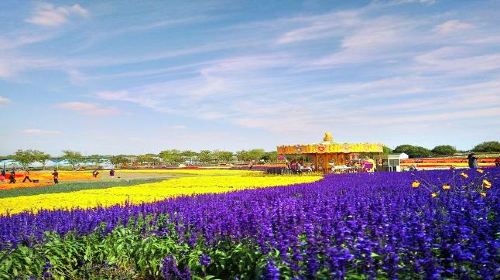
(171, 156)
(413, 151)
(41, 157)
(205, 156)
(386, 150)
(189, 156)
(118, 160)
(73, 158)
(254, 154)
(488, 147)
(222, 156)
(146, 159)
(25, 157)
(444, 150)
(242, 155)
(155, 159)
(270, 156)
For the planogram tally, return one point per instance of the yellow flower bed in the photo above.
(200, 172)
(148, 192)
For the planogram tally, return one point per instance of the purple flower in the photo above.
(272, 272)
(205, 260)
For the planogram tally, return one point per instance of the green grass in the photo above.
(72, 187)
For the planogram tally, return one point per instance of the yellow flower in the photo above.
(464, 175)
(434, 194)
(480, 171)
(415, 184)
(483, 194)
(486, 184)
(207, 181)
(446, 187)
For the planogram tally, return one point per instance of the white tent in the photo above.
(392, 162)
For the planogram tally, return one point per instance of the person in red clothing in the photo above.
(497, 162)
(55, 174)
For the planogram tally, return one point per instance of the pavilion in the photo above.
(327, 153)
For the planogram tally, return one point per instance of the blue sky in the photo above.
(143, 76)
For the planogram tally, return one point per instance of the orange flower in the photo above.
(415, 184)
(464, 175)
(446, 187)
(480, 171)
(434, 194)
(483, 194)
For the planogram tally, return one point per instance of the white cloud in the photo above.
(4, 100)
(452, 26)
(89, 108)
(40, 132)
(50, 15)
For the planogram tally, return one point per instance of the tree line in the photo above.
(175, 157)
(445, 150)
(168, 157)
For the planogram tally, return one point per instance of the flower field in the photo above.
(445, 163)
(421, 225)
(206, 181)
(45, 179)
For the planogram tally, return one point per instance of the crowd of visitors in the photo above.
(27, 175)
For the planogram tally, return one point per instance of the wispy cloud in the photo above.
(50, 15)
(14, 41)
(381, 69)
(90, 109)
(322, 26)
(373, 39)
(40, 132)
(452, 26)
(457, 61)
(3, 100)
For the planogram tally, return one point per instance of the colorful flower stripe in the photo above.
(148, 192)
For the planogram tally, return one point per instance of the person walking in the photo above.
(55, 175)
(112, 172)
(12, 179)
(95, 173)
(472, 160)
(27, 176)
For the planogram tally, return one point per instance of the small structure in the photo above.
(328, 153)
(392, 162)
